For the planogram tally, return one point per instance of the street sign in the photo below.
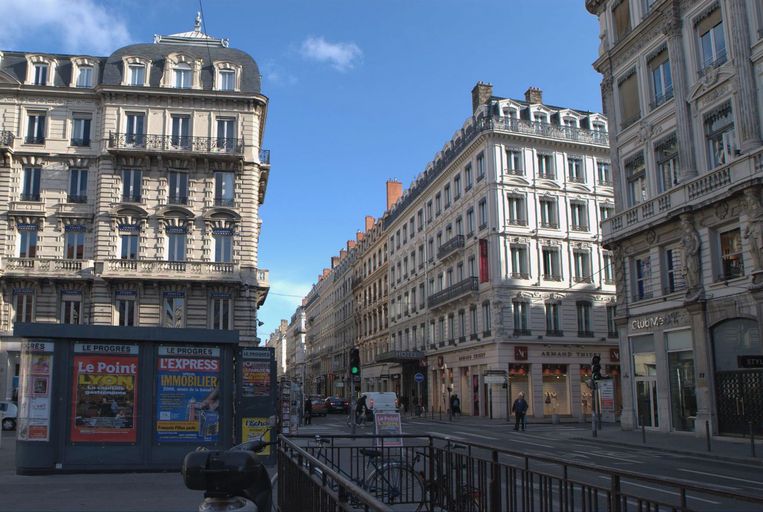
(339, 384)
(494, 379)
(419, 377)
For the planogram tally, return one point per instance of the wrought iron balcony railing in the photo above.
(80, 142)
(549, 225)
(554, 333)
(34, 140)
(224, 201)
(173, 199)
(585, 334)
(71, 198)
(455, 243)
(30, 197)
(552, 277)
(131, 198)
(468, 285)
(175, 143)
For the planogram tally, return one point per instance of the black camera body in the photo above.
(223, 474)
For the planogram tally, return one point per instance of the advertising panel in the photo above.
(104, 397)
(255, 378)
(254, 428)
(34, 399)
(606, 400)
(388, 424)
(188, 394)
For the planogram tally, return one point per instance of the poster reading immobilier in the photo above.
(256, 378)
(104, 396)
(188, 401)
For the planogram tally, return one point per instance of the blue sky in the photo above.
(360, 91)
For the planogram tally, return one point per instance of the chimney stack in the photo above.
(394, 192)
(342, 254)
(481, 94)
(533, 95)
(334, 261)
(370, 220)
(350, 245)
(359, 236)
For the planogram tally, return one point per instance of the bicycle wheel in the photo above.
(396, 483)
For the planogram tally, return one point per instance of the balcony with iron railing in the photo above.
(582, 279)
(549, 225)
(209, 146)
(179, 200)
(552, 277)
(79, 199)
(703, 189)
(228, 202)
(45, 267)
(80, 142)
(31, 139)
(456, 291)
(26, 196)
(585, 334)
(551, 131)
(454, 244)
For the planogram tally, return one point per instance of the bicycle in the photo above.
(466, 498)
(361, 421)
(390, 480)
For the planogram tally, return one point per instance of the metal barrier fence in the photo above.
(431, 473)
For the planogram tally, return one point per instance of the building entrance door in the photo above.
(646, 402)
(739, 401)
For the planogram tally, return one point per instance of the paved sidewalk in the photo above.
(721, 447)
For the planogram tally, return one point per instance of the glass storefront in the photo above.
(645, 375)
(683, 396)
(586, 395)
(556, 396)
(519, 382)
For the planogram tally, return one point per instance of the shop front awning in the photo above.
(400, 356)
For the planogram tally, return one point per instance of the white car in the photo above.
(8, 412)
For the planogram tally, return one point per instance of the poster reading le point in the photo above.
(104, 395)
(188, 401)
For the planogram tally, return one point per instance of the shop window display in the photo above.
(613, 372)
(519, 382)
(586, 395)
(556, 396)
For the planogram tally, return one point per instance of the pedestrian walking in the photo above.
(455, 404)
(519, 408)
(308, 411)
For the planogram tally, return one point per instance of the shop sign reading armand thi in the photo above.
(34, 398)
(188, 394)
(104, 397)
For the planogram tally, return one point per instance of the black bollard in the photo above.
(707, 435)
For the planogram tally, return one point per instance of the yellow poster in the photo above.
(254, 428)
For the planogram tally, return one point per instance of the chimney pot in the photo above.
(369, 223)
(533, 95)
(481, 94)
(394, 192)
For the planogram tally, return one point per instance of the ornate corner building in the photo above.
(131, 186)
(682, 89)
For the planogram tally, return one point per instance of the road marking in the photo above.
(512, 440)
(448, 435)
(665, 491)
(619, 458)
(476, 435)
(721, 476)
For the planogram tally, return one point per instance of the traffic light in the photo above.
(596, 368)
(355, 362)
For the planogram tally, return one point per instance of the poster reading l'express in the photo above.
(188, 394)
(104, 402)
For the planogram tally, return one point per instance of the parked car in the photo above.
(319, 405)
(9, 411)
(337, 404)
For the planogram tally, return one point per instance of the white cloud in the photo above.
(78, 26)
(341, 56)
(275, 74)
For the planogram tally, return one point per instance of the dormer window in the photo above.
(540, 117)
(227, 80)
(41, 74)
(85, 76)
(182, 76)
(137, 74)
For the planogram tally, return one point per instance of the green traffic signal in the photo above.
(355, 370)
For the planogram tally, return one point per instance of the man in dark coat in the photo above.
(308, 411)
(519, 408)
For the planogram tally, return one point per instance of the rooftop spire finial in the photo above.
(197, 22)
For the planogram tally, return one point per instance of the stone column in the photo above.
(672, 29)
(748, 128)
(703, 368)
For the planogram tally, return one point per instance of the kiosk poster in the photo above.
(255, 378)
(104, 398)
(188, 391)
(34, 398)
(388, 424)
(606, 400)
(254, 428)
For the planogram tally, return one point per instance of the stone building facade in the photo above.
(131, 186)
(486, 276)
(497, 280)
(682, 88)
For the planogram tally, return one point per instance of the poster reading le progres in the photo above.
(104, 393)
(34, 402)
(188, 392)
